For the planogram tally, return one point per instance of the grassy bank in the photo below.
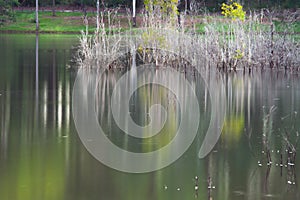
(73, 22)
(63, 22)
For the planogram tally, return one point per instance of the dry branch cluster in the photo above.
(227, 44)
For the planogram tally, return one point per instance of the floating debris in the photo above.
(291, 183)
(269, 195)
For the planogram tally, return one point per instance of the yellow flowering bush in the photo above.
(233, 10)
(166, 6)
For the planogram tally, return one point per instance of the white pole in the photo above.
(97, 15)
(37, 15)
(133, 12)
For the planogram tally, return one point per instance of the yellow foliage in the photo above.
(166, 6)
(238, 54)
(233, 10)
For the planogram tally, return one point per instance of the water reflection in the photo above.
(41, 156)
(32, 155)
(252, 121)
(36, 72)
(154, 110)
(164, 122)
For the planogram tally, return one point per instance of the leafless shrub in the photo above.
(226, 44)
(253, 43)
(106, 44)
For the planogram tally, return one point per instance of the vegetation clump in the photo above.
(231, 43)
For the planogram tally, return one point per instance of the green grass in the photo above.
(63, 22)
(279, 26)
(72, 22)
(290, 27)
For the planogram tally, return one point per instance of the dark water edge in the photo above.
(42, 157)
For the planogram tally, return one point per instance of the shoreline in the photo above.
(69, 20)
(40, 32)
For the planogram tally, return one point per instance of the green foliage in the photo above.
(165, 6)
(32, 17)
(162, 11)
(79, 3)
(6, 12)
(115, 3)
(211, 5)
(152, 36)
(233, 10)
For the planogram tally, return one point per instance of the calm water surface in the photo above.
(42, 157)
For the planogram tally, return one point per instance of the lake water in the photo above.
(42, 155)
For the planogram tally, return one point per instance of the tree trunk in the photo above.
(37, 15)
(53, 8)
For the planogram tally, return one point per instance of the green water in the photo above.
(42, 157)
